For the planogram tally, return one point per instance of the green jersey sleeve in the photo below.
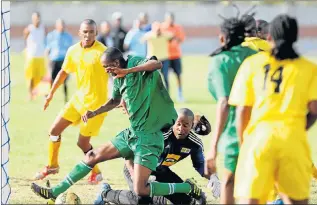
(218, 82)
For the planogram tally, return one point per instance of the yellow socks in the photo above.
(53, 151)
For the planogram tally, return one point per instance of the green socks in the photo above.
(162, 189)
(79, 172)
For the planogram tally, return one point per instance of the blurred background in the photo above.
(199, 18)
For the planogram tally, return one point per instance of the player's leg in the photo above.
(54, 71)
(92, 158)
(109, 195)
(91, 128)
(227, 186)
(148, 148)
(254, 176)
(65, 118)
(127, 175)
(29, 75)
(118, 147)
(165, 68)
(168, 176)
(58, 126)
(294, 172)
(176, 64)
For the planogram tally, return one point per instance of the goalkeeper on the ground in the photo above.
(179, 142)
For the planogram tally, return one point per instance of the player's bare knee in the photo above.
(91, 158)
(55, 131)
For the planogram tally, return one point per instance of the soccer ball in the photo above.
(67, 198)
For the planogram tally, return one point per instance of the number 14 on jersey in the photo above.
(276, 77)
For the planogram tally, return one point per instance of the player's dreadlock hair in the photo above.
(249, 25)
(284, 32)
(235, 29)
(113, 54)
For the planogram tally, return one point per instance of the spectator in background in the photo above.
(144, 20)
(174, 51)
(105, 36)
(35, 69)
(132, 41)
(157, 43)
(262, 28)
(57, 44)
(118, 33)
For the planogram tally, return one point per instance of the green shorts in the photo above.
(231, 162)
(145, 149)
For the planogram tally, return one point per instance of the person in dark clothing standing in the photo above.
(104, 37)
(118, 32)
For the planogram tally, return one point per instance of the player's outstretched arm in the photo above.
(149, 66)
(111, 104)
(59, 80)
(222, 112)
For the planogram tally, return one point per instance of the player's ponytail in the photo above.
(284, 32)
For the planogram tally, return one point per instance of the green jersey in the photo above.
(148, 103)
(222, 71)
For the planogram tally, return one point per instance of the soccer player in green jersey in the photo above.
(150, 109)
(224, 65)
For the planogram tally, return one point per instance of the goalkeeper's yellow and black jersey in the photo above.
(176, 150)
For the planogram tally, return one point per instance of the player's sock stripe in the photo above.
(83, 163)
(173, 185)
(69, 180)
(151, 190)
(170, 191)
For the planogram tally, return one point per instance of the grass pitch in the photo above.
(29, 127)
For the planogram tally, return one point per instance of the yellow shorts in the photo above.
(274, 153)
(35, 70)
(93, 125)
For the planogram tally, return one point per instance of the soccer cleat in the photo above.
(95, 178)
(101, 197)
(195, 191)
(43, 192)
(45, 172)
(50, 201)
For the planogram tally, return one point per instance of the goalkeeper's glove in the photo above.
(215, 185)
(201, 125)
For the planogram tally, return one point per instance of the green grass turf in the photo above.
(29, 127)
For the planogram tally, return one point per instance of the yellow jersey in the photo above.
(90, 75)
(256, 44)
(276, 90)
